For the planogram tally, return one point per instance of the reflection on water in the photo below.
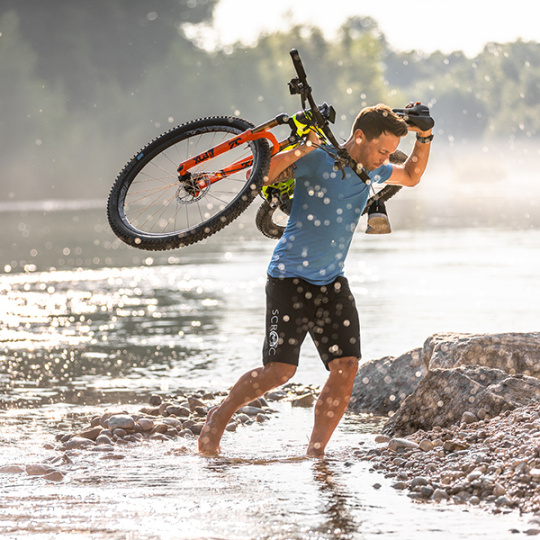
(89, 324)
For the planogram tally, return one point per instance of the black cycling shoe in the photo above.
(378, 222)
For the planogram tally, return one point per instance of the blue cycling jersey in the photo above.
(325, 212)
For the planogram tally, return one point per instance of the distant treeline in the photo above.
(85, 84)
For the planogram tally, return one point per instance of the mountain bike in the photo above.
(197, 178)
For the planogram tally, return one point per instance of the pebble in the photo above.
(251, 411)
(469, 418)
(426, 445)
(38, 469)
(398, 444)
(78, 442)
(306, 400)
(103, 439)
(54, 476)
(121, 421)
(12, 469)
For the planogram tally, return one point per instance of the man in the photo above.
(306, 290)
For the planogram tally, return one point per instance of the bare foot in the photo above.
(315, 451)
(210, 435)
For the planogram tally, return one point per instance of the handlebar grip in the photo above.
(298, 66)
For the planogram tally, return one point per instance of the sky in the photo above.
(425, 25)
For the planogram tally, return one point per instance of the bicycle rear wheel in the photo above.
(149, 208)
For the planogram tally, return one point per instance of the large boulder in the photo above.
(515, 353)
(381, 385)
(444, 395)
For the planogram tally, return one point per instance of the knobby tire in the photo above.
(148, 208)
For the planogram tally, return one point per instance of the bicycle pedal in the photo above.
(378, 224)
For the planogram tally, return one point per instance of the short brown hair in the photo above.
(376, 120)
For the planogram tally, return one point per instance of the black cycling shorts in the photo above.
(295, 307)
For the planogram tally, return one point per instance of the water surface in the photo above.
(90, 325)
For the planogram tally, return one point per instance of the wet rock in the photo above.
(397, 444)
(146, 424)
(251, 411)
(104, 420)
(121, 421)
(177, 410)
(305, 400)
(78, 442)
(155, 401)
(197, 428)
(102, 448)
(38, 469)
(11, 469)
(276, 395)
(201, 411)
(158, 437)
(120, 433)
(91, 433)
(439, 495)
(195, 402)
(174, 422)
(103, 439)
(381, 385)
(54, 476)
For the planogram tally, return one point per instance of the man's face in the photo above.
(373, 153)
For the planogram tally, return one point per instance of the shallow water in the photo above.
(90, 325)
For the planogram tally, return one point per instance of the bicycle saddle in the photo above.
(418, 116)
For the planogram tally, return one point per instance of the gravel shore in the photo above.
(492, 463)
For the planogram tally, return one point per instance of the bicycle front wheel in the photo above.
(150, 208)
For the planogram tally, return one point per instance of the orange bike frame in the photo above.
(259, 132)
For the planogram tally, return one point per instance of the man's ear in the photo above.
(359, 136)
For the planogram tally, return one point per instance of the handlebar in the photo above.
(301, 86)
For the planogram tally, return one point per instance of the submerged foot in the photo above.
(315, 451)
(210, 435)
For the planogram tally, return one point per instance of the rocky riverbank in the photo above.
(463, 420)
(491, 463)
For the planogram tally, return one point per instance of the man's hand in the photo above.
(412, 127)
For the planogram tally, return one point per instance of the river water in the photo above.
(90, 325)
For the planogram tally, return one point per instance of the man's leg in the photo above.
(250, 386)
(332, 403)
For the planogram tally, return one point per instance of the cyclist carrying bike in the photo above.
(306, 290)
